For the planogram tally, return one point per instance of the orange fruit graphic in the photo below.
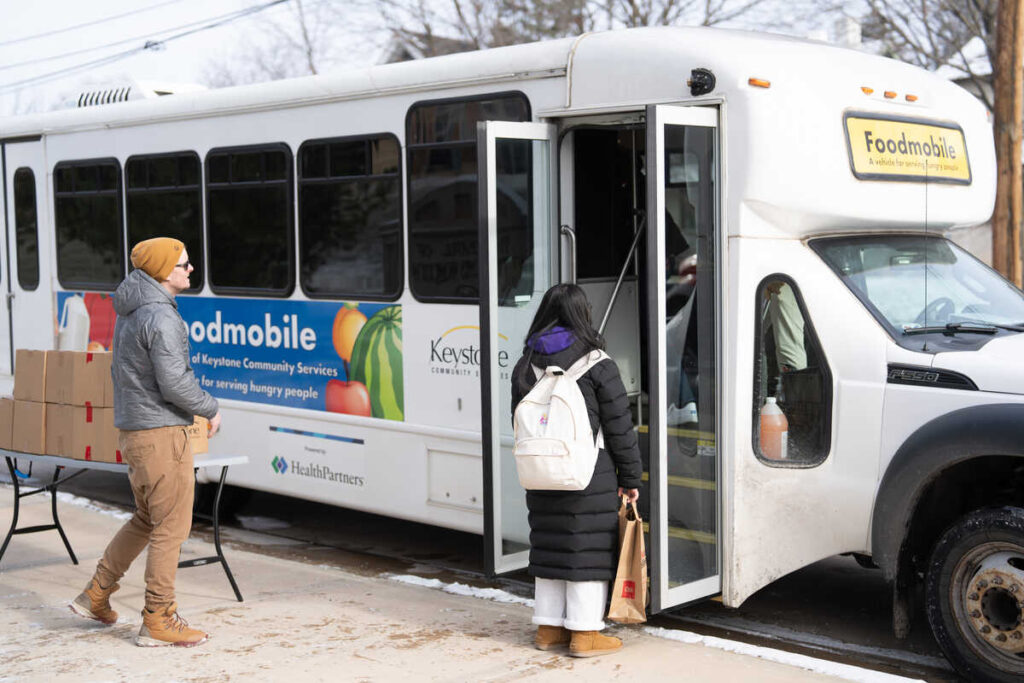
(347, 324)
(95, 347)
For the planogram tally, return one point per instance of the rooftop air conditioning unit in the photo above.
(132, 90)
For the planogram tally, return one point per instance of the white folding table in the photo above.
(60, 464)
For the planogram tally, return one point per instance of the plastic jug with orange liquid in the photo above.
(774, 430)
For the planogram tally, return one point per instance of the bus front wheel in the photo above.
(974, 594)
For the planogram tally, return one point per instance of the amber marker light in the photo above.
(911, 98)
(866, 90)
(759, 83)
(890, 94)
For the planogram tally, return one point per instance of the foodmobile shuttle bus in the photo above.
(752, 217)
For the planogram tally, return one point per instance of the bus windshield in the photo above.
(918, 283)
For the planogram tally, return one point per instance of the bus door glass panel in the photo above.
(685, 535)
(517, 240)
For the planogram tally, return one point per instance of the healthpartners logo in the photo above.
(313, 471)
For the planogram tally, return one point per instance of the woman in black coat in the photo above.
(574, 534)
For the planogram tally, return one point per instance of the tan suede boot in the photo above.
(550, 637)
(94, 603)
(166, 627)
(592, 643)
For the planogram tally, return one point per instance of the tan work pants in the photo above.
(160, 471)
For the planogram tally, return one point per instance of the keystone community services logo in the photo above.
(279, 464)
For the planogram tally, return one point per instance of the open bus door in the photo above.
(683, 339)
(517, 241)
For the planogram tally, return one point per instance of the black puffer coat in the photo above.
(574, 534)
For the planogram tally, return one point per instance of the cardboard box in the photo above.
(104, 448)
(81, 433)
(30, 375)
(60, 439)
(29, 433)
(79, 378)
(197, 435)
(6, 422)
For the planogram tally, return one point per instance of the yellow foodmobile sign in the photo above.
(892, 148)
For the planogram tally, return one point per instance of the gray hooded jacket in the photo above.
(154, 385)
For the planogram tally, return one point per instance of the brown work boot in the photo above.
(592, 643)
(94, 603)
(166, 627)
(550, 637)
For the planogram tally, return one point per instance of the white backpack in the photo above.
(554, 447)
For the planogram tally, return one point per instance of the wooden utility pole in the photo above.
(1008, 103)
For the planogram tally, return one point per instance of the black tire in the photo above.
(961, 603)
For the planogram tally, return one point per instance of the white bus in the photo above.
(765, 214)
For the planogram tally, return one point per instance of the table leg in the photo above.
(56, 520)
(17, 502)
(219, 557)
(216, 533)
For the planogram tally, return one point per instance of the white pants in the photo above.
(576, 605)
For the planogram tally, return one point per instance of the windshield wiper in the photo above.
(954, 328)
(1019, 327)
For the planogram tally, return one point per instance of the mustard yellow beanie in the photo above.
(157, 256)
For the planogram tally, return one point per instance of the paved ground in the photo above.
(306, 622)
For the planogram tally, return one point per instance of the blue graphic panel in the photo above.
(294, 353)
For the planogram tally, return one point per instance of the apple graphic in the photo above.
(350, 398)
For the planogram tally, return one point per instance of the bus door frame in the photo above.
(31, 310)
(659, 117)
(28, 312)
(500, 346)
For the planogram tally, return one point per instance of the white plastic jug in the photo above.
(74, 325)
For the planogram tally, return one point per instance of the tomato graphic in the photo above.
(350, 398)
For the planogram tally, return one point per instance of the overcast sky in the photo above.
(24, 57)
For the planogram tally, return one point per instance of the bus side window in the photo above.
(26, 228)
(350, 218)
(249, 220)
(790, 368)
(441, 147)
(87, 213)
(164, 199)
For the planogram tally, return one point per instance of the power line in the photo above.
(149, 45)
(88, 23)
(150, 35)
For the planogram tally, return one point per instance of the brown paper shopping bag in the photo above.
(629, 593)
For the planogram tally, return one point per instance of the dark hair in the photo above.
(565, 305)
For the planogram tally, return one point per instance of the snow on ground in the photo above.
(492, 594)
(822, 666)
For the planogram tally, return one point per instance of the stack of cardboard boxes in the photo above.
(63, 405)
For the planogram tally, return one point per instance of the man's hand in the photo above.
(214, 424)
(631, 494)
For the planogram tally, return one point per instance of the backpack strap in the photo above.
(551, 369)
(587, 361)
(580, 368)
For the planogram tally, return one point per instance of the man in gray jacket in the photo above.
(156, 396)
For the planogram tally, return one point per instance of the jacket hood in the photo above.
(562, 358)
(139, 289)
(556, 339)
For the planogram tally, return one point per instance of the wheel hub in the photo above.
(994, 601)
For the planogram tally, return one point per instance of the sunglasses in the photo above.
(184, 266)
